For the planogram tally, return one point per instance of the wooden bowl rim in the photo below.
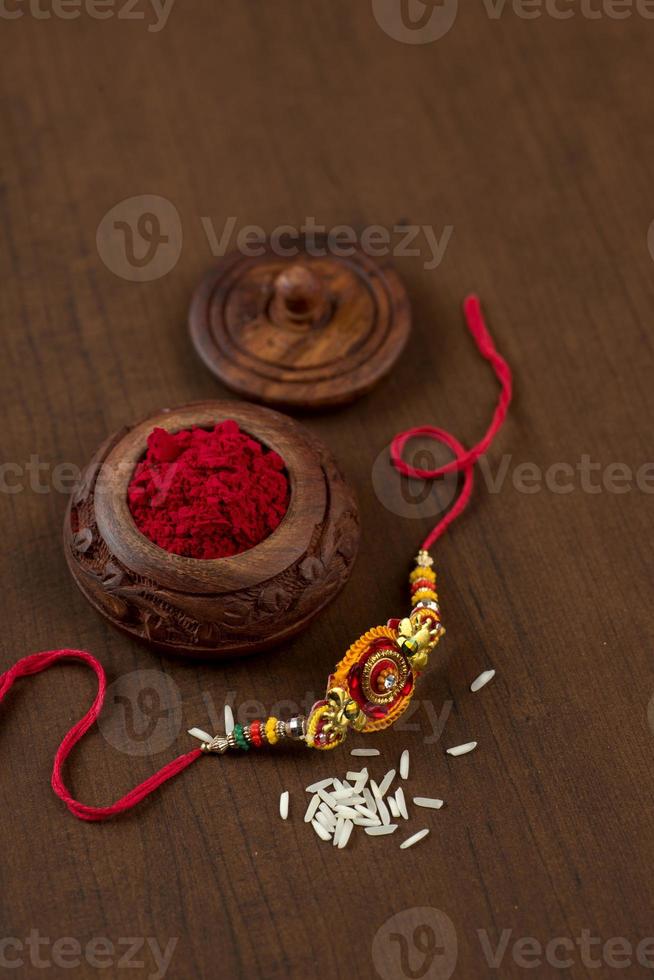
(287, 543)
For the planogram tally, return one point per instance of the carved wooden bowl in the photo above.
(230, 605)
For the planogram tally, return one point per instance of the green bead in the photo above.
(240, 738)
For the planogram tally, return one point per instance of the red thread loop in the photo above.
(37, 662)
(465, 460)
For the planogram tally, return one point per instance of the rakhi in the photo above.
(373, 684)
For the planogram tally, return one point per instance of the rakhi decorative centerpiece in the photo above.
(371, 686)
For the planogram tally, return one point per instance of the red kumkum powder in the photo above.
(208, 493)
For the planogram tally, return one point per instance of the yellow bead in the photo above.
(424, 595)
(421, 572)
(271, 731)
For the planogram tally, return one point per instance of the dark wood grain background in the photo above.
(533, 139)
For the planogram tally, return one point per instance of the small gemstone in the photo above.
(389, 681)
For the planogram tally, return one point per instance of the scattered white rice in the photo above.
(371, 803)
(338, 805)
(283, 805)
(481, 681)
(383, 812)
(346, 811)
(428, 802)
(320, 830)
(320, 785)
(311, 809)
(344, 794)
(362, 821)
(345, 834)
(401, 803)
(365, 812)
(410, 841)
(325, 822)
(462, 749)
(329, 816)
(352, 801)
(229, 720)
(326, 797)
(361, 781)
(385, 784)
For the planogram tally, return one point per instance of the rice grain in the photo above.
(410, 841)
(484, 678)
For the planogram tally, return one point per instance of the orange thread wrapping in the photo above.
(353, 655)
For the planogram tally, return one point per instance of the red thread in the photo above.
(465, 459)
(208, 493)
(37, 662)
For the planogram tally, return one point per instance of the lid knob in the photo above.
(299, 296)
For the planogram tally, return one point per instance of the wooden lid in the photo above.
(306, 332)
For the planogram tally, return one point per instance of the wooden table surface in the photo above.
(530, 139)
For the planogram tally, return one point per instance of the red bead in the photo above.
(255, 734)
